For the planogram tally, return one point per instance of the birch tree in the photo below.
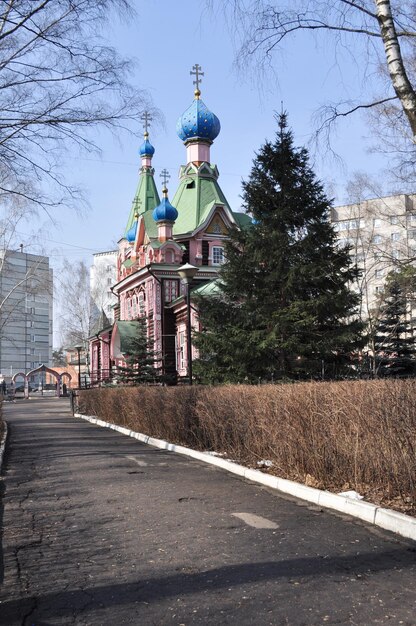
(380, 35)
(74, 300)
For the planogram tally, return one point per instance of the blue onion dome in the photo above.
(198, 122)
(131, 233)
(146, 149)
(165, 211)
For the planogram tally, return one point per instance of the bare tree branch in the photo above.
(57, 80)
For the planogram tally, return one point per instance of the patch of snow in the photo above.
(264, 463)
(215, 453)
(351, 494)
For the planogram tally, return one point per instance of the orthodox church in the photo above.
(160, 237)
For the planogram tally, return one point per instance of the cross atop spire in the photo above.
(196, 71)
(146, 118)
(164, 175)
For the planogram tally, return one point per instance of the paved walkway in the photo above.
(99, 529)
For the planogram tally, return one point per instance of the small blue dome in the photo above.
(165, 212)
(131, 233)
(198, 121)
(146, 149)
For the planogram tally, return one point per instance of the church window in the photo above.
(141, 304)
(171, 290)
(217, 255)
(185, 256)
(181, 355)
(205, 252)
(134, 307)
(191, 185)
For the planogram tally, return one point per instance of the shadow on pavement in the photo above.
(156, 589)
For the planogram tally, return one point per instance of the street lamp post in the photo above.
(186, 273)
(78, 349)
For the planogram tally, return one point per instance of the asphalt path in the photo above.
(99, 529)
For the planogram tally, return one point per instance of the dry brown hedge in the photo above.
(343, 435)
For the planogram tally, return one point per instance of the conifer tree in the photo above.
(394, 344)
(284, 307)
(140, 359)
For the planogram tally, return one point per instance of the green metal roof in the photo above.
(127, 332)
(212, 288)
(145, 199)
(194, 199)
(150, 225)
(243, 220)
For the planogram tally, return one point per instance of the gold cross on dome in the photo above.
(197, 73)
(164, 174)
(146, 118)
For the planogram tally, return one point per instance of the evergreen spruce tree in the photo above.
(141, 359)
(394, 344)
(284, 307)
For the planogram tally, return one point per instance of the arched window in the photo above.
(141, 304)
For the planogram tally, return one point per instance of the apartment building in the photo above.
(26, 292)
(382, 233)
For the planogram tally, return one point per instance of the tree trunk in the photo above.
(401, 83)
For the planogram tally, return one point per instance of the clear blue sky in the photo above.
(167, 38)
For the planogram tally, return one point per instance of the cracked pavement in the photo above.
(99, 529)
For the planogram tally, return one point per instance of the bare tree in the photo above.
(73, 295)
(57, 79)
(380, 36)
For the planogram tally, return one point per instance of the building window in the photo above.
(181, 355)
(134, 306)
(412, 234)
(378, 273)
(394, 219)
(379, 290)
(345, 241)
(395, 254)
(376, 239)
(185, 255)
(349, 224)
(205, 252)
(395, 236)
(171, 290)
(109, 280)
(140, 299)
(217, 255)
(376, 222)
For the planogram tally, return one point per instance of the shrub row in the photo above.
(344, 435)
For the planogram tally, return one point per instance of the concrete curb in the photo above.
(387, 519)
(3, 443)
